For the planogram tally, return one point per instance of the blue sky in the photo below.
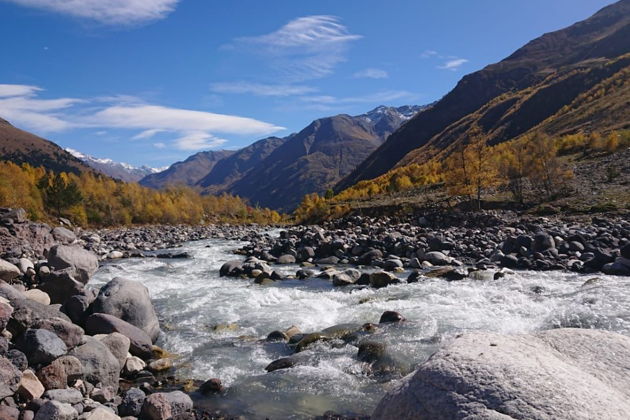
(153, 81)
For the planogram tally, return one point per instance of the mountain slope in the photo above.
(317, 157)
(188, 172)
(517, 94)
(20, 146)
(229, 170)
(117, 170)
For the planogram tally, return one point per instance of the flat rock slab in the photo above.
(560, 374)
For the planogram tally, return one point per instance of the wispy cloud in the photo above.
(383, 97)
(260, 89)
(308, 47)
(111, 12)
(371, 73)
(453, 64)
(194, 129)
(449, 62)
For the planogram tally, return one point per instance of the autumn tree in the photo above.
(545, 169)
(59, 192)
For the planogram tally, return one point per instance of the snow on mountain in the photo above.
(119, 170)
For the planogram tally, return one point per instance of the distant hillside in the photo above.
(565, 81)
(188, 172)
(117, 170)
(20, 146)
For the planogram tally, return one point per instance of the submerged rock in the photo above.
(559, 374)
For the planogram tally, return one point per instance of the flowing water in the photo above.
(191, 299)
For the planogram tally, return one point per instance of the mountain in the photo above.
(233, 168)
(317, 157)
(565, 81)
(20, 146)
(188, 172)
(117, 170)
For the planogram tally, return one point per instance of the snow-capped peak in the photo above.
(119, 170)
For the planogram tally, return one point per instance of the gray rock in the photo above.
(559, 374)
(67, 395)
(9, 378)
(166, 406)
(8, 271)
(77, 307)
(231, 268)
(10, 413)
(70, 334)
(132, 402)
(286, 259)
(5, 314)
(54, 410)
(543, 241)
(41, 346)
(343, 279)
(18, 359)
(437, 258)
(139, 342)
(99, 364)
(118, 344)
(61, 285)
(84, 263)
(130, 301)
(383, 279)
(63, 235)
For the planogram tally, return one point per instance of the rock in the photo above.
(133, 364)
(61, 285)
(231, 268)
(83, 262)
(448, 272)
(437, 258)
(130, 301)
(63, 235)
(332, 260)
(391, 316)
(371, 351)
(343, 279)
(10, 413)
(383, 279)
(38, 296)
(291, 331)
(41, 346)
(70, 334)
(26, 312)
(414, 277)
(61, 373)
(5, 314)
(211, 386)
(309, 339)
(160, 365)
(103, 395)
(18, 359)
(132, 402)
(558, 374)
(167, 406)
(54, 410)
(115, 255)
(99, 413)
(542, 242)
(9, 378)
(286, 259)
(66, 395)
(139, 342)
(77, 307)
(99, 364)
(277, 336)
(117, 344)
(283, 363)
(8, 271)
(30, 387)
(625, 251)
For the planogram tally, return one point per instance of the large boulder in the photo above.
(70, 334)
(63, 235)
(130, 301)
(139, 342)
(61, 285)
(6, 311)
(83, 262)
(99, 364)
(54, 410)
(61, 372)
(558, 374)
(41, 346)
(27, 312)
(167, 406)
(8, 271)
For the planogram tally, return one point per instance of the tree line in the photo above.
(90, 199)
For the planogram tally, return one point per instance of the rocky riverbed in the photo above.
(308, 320)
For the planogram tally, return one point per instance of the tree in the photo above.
(513, 166)
(59, 193)
(329, 194)
(545, 169)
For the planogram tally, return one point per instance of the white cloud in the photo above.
(198, 140)
(371, 73)
(260, 89)
(383, 97)
(159, 145)
(112, 12)
(193, 128)
(453, 64)
(429, 54)
(305, 48)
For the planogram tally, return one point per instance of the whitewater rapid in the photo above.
(192, 300)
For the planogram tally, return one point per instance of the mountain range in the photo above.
(277, 172)
(562, 82)
(117, 170)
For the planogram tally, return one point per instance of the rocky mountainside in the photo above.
(20, 146)
(565, 81)
(118, 170)
(188, 172)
